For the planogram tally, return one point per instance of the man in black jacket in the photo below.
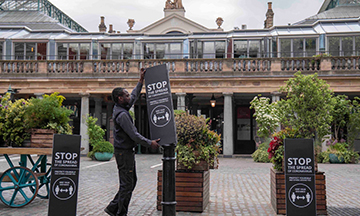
(126, 138)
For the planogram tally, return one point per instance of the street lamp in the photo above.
(11, 92)
(213, 101)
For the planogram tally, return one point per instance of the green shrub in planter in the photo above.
(48, 113)
(96, 138)
(102, 146)
(196, 142)
(261, 154)
(341, 150)
(14, 129)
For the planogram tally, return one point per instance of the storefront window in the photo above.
(149, 51)
(73, 51)
(30, 51)
(220, 49)
(254, 49)
(19, 51)
(105, 51)
(310, 47)
(128, 50)
(84, 51)
(240, 49)
(192, 49)
(285, 47)
(274, 47)
(209, 50)
(334, 46)
(62, 51)
(199, 49)
(116, 51)
(298, 45)
(347, 46)
(41, 51)
(262, 52)
(160, 51)
(175, 51)
(1, 50)
(357, 45)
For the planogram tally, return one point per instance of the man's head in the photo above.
(121, 96)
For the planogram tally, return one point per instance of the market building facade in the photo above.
(45, 51)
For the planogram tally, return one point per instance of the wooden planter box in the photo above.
(277, 194)
(192, 190)
(42, 138)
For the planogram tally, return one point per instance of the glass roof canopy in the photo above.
(43, 6)
(351, 27)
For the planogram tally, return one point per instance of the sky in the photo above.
(235, 13)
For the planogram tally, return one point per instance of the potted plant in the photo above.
(197, 148)
(4, 100)
(102, 150)
(46, 116)
(304, 112)
(339, 152)
(14, 130)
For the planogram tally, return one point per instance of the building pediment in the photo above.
(172, 23)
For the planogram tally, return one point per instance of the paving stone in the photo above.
(239, 187)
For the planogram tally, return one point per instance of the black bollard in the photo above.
(168, 181)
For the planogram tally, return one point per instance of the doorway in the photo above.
(244, 130)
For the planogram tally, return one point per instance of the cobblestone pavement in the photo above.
(238, 187)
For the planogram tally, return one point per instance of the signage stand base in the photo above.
(168, 195)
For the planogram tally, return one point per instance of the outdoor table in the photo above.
(19, 185)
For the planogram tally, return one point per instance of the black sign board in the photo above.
(160, 105)
(300, 177)
(64, 175)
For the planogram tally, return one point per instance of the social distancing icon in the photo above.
(300, 195)
(160, 116)
(64, 188)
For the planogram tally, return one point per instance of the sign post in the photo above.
(162, 125)
(64, 175)
(300, 177)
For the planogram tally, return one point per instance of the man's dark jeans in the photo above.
(125, 160)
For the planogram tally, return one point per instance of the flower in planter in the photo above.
(276, 146)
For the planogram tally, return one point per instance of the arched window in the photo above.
(175, 33)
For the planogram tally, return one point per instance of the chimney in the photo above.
(243, 26)
(102, 26)
(269, 22)
(111, 28)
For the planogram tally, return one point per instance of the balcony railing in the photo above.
(179, 66)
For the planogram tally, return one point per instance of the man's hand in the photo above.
(142, 75)
(155, 144)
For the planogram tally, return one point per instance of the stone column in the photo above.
(83, 127)
(181, 101)
(228, 140)
(98, 110)
(276, 97)
(109, 127)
